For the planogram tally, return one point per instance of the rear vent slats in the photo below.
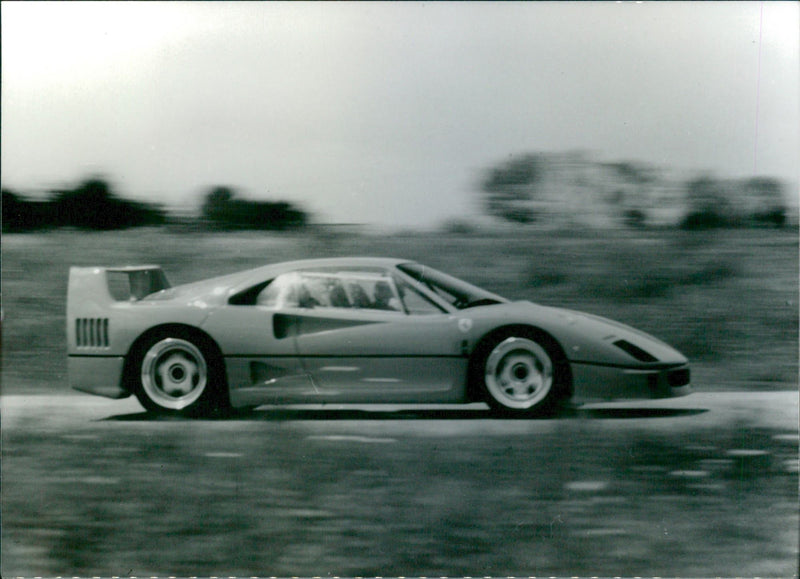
(91, 332)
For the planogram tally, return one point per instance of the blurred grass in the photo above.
(725, 298)
(243, 498)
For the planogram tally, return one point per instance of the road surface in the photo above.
(777, 409)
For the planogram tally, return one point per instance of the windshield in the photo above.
(454, 291)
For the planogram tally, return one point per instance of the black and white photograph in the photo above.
(399, 289)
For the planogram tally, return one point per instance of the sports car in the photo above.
(347, 330)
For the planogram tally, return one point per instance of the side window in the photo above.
(364, 291)
(313, 292)
(344, 290)
(282, 292)
(349, 290)
(360, 294)
(385, 296)
(415, 303)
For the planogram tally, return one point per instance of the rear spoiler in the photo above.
(101, 286)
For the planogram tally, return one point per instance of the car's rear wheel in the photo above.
(176, 373)
(521, 375)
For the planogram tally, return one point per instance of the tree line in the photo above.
(539, 188)
(529, 189)
(93, 205)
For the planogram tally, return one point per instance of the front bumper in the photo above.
(101, 375)
(598, 382)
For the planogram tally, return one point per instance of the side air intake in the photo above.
(635, 351)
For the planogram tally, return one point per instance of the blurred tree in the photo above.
(635, 218)
(767, 201)
(456, 226)
(18, 214)
(707, 205)
(633, 195)
(92, 205)
(511, 188)
(632, 172)
(221, 209)
(751, 202)
(217, 203)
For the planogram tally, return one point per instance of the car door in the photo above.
(361, 340)
(259, 348)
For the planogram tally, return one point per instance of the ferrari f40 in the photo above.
(347, 330)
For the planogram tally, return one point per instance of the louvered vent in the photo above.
(91, 332)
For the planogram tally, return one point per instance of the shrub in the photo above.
(635, 218)
(706, 219)
(89, 206)
(223, 211)
(93, 206)
(460, 227)
(22, 215)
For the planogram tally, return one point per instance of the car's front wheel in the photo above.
(521, 375)
(176, 373)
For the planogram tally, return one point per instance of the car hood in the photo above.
(588, 337)
(601, 323)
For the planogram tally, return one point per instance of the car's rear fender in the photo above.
(93, 291)
(106, 316)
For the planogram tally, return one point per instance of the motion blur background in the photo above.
(392, 114)
(637, 160)
(633, 160)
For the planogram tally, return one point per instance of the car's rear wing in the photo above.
(101, 286)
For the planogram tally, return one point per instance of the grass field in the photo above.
(87, 493)
(727, 299)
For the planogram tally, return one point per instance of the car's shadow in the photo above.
(322, 414)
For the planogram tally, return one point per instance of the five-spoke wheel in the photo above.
(176, 374)
(520, 375)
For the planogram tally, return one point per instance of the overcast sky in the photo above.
(388, 113)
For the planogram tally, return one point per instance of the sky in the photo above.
(388, 113)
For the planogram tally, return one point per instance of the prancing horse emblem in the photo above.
(465, 325)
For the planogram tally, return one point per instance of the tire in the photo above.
(521, 375)
(175, 373)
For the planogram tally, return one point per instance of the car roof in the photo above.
(329, 262)
(278, 268)
(342, 261)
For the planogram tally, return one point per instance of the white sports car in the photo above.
(346, 330)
